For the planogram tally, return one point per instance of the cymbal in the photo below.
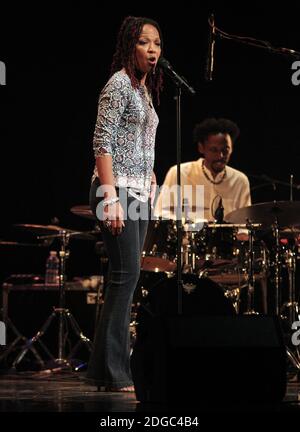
(14, 243)
(290, 232)
(42, 229)
(286, 213)
(83, 211)
(193, 208)
(45, 232)
(215, 225)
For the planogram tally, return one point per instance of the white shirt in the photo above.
(234, 190)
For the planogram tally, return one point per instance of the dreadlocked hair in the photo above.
(124, 55)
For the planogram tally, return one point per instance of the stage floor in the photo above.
(67, 392)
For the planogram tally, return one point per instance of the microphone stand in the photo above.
(250, 41)
(179, 199)
(179, 82)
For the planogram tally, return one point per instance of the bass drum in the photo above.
(200, 296)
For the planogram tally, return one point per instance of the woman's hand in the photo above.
(114, 217)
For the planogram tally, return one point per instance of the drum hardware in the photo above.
(133, 323)
(188, 251)
(250, 272)
(19, 337)
(291, 305)
(64, 316)
(234, 296)
(289, 258)
(293, 358)
(270, 214)
(277, 267)
(225, 261)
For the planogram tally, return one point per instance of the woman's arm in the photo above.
(112, 212)
(106, 177)
(112, 102)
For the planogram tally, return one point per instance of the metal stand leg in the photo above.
(293, 357)
(294, 360)
(36, 338)
(19, 338)
(277, 268)
(291, 306)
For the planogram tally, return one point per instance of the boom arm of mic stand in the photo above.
(257, 43)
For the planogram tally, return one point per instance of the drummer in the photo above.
(210, 188)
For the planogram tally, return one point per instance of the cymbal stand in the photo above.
(250, 272)
(277, 267)
(277, 280)
(291, 304)
(290, 260)
(64, 317)
(19, 338)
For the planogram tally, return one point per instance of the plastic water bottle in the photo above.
(52, 269)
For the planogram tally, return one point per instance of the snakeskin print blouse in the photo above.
(126, 129)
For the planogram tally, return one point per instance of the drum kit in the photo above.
(215, 251)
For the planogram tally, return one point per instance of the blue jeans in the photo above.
(109, 363)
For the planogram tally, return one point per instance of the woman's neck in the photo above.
(141, 77)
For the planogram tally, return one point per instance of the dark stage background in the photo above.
(58, 61)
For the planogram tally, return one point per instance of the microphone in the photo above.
(166, 66)
(211, 48)
(219, 213)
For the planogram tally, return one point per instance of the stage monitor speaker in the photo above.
(190, 359)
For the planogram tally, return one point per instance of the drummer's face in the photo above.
(216, 150)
